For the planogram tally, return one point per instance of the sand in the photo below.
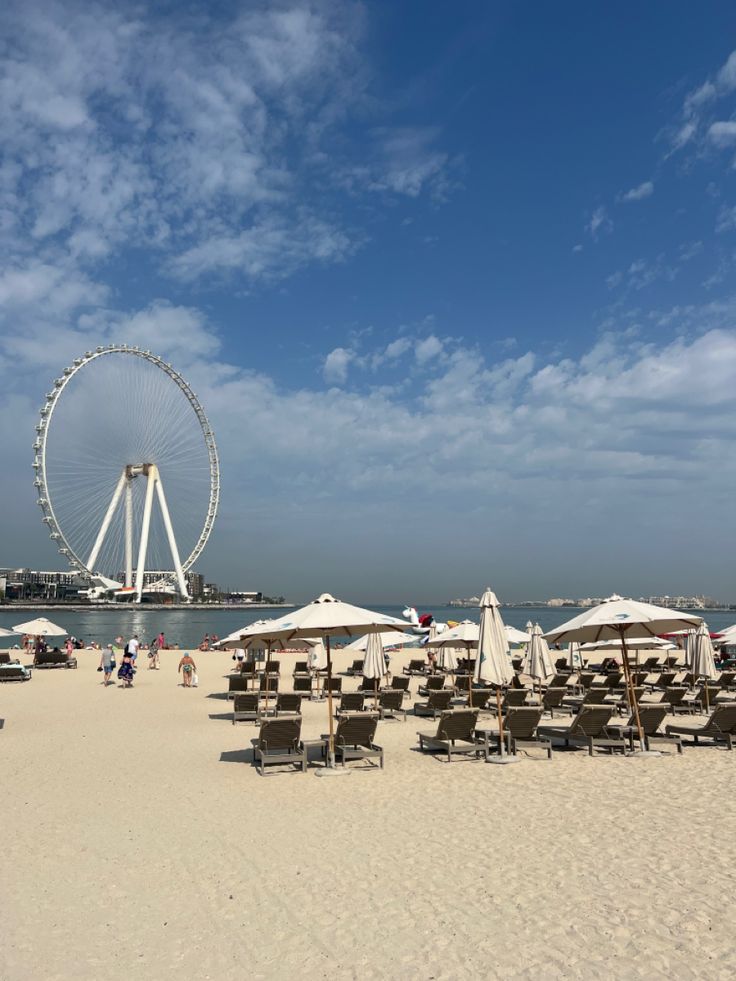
(138, 841)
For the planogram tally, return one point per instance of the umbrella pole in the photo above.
(268, 676)
(500, 720)
(375, 694)
(632, 697)
(331, 744)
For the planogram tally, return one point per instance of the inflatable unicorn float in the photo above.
(421, 623)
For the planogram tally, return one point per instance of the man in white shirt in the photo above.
(133, 645)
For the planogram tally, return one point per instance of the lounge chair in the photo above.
(552, 699)
(463, 683)
(435, 682)
(651, 717)
(399, 682)
(588, 728)
(720, 726)
(5, 658)
(303, 685)
(455, 734)
(246, 707)
(288, 703)
(477, 698)
(332, 684)
(356, 668)
(727, 680)
(519, 727)
(14, 672)
(351, 701)
(560, 680)
(368, 686)
(354, 739)
(437, 703)
(300, 667)
(675, 698)
(272, 667)
(269, 683)
(390, 704)
(236, 683)
(416, 667)
(514, 698)
(562, 664)
(279, 741)
(54, 659)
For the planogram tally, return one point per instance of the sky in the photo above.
(453, 283)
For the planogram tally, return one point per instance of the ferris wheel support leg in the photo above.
(106, 522)
(151, 477)
(128, 533)
(172, 540)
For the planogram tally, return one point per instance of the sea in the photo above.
(187, 627)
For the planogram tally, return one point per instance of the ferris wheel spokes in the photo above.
(124, 486)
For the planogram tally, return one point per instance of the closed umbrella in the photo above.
(374, 663)
(575, 658)
(689, 647)
(619, 619)
(703, 663)
(537, 661)
(40, 627)
(492, 662)
(327, 617)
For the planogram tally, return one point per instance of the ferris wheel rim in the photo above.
(43, 495)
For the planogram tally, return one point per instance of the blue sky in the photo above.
(454, 283)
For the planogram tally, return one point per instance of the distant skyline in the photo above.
(455, 285)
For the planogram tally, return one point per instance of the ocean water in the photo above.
(187, 627)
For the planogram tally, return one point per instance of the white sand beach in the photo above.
(139, 841)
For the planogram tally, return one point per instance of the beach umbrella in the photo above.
(689, 646)
(40, 627)
(492, 663)
(619, 619)
(447, 659)
(702, 663)
(463, 636)
(7, 633)
(374, 664)
(515, 636)
(392, 638)
(727, 636)
(537, 661)
(327, 617)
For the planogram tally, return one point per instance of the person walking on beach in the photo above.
(132, 648)
(161, 641)
(126, 671)
(187, 668)
(153, 662)
(107, 663)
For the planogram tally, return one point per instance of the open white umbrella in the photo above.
(515, 636)
(40, 627)
(619, 619)
(327, 617)
(492, 662)
(392, 638)
(703, 663)
(538, 661)
(7, 633)
(464, 636)
(374, 663)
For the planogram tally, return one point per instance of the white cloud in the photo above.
(723, 133)
(427, 349)
(639, 193)
(335, 368)
(599, 222)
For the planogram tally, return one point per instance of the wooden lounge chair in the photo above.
(5, 658)
(300, 667)
(356, 668)
(332, 684)
(455, 734)
(720, 726)
(351, 701)
(288, 703)
(560, 680)
(368, 686)
(519, 727)
(399, 683)
(272, 667)
(14, 672)
(435, 682)
(651, 717)
(416, 667)
(236, 683)
(437, 703)
(390, 704)
(588, 728)
(54, 659)
(562, 664)
(303, 685)
(675, 698)
(246, 707)
(552, 699)
(278, 742)
(478, 698)
(463, 683)
(269, 683)
(354, 739)
(514, 697)
(727, 680)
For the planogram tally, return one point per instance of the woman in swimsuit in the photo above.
(187, 668)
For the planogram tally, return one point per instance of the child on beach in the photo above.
(187, 668)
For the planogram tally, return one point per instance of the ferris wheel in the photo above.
(119, 425)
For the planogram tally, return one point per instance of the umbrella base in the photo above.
(332, 771)
(503, 759)
(637, 754)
